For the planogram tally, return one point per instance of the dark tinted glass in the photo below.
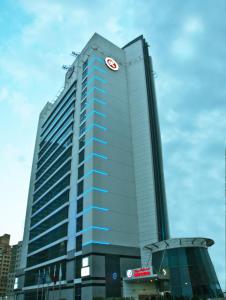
(190, 271)
(48, 238)
(56, 154)
(52, 193)
(79, 205)
(80, 188)
(48, 254)
(52, 180)
(79, 224)
(79, 243)
(82, 142)
(80, 171)
(63, 198)
(50, 222)
(81, 156)
(32, 277)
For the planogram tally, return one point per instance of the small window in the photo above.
(79, 243)
(84, 83)
(83, 104)
(78, 266)
(84, 93)
(84, 74)
(79, 205)
(81, 156)
(82, 142)
(82, 128)
(79, 224)
(82, 116)
(81, 171)
(80, 188)
(85, 64)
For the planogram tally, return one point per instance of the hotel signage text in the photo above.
(136, 273)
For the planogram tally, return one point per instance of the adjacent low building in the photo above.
(5, 256)
(13, 268)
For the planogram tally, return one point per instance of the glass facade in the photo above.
(190, 271)
(49, 219)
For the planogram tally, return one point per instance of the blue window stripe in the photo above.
(93, 68)
(87, 209)
(95, 112)
(95, 242)
(95, 140)
(99, 101)
(96, 125)
(93, 189)
(100, 190)
(95, 228)
(93, 125)
(95, 171)
(96, 58)
(89, 156)
(95, 78)
(97, 89)
(99, 126)
(92, 61)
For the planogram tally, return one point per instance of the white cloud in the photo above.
(113, 25)
(14, 178)
(3, 94)
(19, 104)
(193, 25)
(184, 46)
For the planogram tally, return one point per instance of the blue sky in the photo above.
(187, 43)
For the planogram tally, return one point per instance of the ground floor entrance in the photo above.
(147, 297)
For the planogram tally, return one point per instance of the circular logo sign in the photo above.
(111, 63)
(129, 273)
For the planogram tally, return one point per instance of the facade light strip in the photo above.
(95, 88)
(95, 242)
(93, 68)
(89, 81)
(95, 112)
(92, 126)
(93, 189)
(94, 154)
(88, 209)
(95, 140)
(95, 171)
(94, 228)
(94, 58)
(99, 101)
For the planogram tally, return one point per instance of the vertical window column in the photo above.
(81, 155)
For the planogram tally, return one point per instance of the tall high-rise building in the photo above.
(5, 255)
(96, 193)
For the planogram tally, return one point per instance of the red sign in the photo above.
(111, 63)
(142, 272)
